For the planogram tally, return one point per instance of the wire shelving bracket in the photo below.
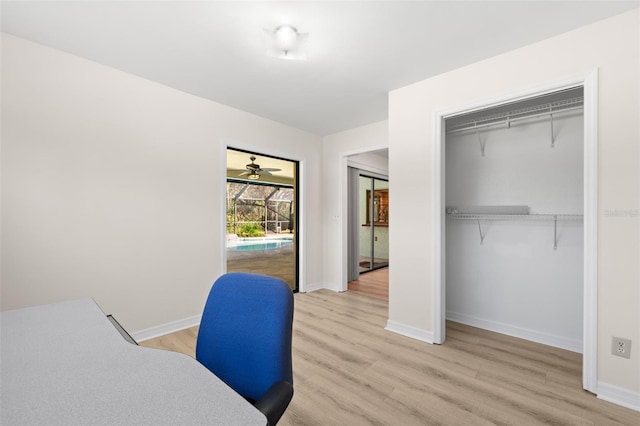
(482, 235)
(482, 144)
(553, 140)
(504, 217)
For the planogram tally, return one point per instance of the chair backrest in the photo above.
(245, 332)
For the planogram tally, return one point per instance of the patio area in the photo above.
(260, 229)
(276, 262)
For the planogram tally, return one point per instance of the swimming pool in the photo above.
(251, 244)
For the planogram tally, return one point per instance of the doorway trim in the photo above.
(589, 82)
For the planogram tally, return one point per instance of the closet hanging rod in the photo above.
(519, 114)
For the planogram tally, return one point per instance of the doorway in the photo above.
(514, 212)
(261, 215)
(589, 84)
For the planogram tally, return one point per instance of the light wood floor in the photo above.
(374, 284)
(349, 371)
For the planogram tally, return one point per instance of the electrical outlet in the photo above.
(621, 347)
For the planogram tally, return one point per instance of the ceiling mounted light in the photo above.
(286, 42)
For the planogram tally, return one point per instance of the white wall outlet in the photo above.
(621, 347)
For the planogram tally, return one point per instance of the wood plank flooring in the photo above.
(349, 371)
(374, 284)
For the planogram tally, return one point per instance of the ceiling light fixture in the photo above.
(253, 176)
(286, 42)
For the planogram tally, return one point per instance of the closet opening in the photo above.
(515, 219)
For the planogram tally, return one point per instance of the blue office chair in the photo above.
(245, 339)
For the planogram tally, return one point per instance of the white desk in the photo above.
(66, 364)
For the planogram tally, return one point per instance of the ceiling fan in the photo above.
(254, 171)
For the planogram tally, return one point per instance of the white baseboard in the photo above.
(561, 342)
(619, 396)
(410, 331)
(161, 330)
(316, 286)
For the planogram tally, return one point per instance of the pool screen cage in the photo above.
(259, 209)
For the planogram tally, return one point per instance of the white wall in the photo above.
(515, 282)
(613, 47)
(335, 152)
(113, 187)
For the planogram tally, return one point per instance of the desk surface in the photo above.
(65, 364)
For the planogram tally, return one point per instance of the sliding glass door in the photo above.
(261, 215)
(373, 196)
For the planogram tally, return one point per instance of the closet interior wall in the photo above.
(520, 275)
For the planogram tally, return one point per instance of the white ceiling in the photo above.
(358, 51)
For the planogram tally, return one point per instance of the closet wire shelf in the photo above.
(478, 217)
(506, 118)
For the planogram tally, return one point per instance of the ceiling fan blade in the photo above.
(263, 172)
(269, 169)
(244, 173)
